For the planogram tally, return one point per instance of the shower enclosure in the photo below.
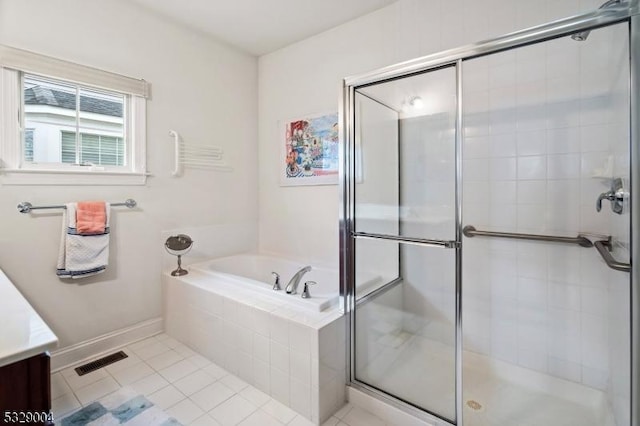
(488, 264)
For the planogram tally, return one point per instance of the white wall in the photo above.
(203, 89)
(305, 78)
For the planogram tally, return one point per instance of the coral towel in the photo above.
(82, 255)
(91, 217)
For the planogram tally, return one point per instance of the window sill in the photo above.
(71, 177)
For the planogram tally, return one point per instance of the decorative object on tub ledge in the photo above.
(26, 207)
(179, 245)
(84, 252)
(196, 156)
(309, 150)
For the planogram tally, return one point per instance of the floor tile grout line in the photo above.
(219, 376)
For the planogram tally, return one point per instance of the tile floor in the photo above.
(188, 387)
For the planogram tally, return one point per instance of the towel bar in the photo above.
(26, 207)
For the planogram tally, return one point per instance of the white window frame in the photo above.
(15, 171)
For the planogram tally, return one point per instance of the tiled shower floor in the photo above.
(186, 386)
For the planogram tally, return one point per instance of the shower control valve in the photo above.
(616, 196)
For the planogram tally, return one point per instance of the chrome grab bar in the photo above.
(470, 231)
(604, 248)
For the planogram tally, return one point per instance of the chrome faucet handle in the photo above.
(604, 196)
(305, 290)
(616, 195)
(276, 282)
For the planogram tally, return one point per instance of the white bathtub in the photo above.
(254, 272)
(226, 310)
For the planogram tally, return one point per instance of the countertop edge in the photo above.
(28, 353)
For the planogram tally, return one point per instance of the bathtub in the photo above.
(252, 271)
(288, 347)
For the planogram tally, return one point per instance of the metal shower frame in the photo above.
(626, 12)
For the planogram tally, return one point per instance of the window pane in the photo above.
(101, 125)
(68, 151)
(49, 109)
(89, 149)
(28, 145)
(54, 111)
(111, 150)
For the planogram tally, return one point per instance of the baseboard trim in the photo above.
(83, 351)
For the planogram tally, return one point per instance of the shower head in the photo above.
(582, 35)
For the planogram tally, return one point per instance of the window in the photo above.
(92, 149)
(76, 125)
(28, 145)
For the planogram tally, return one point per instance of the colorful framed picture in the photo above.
(310, 150)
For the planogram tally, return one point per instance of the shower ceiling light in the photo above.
(416, 102)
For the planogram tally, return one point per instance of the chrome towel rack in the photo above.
(603, 246)
(26, 207)
(582, 241)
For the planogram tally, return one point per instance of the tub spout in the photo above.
(292, 287)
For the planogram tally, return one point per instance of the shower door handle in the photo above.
(449, 244)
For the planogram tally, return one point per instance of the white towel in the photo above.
(81, 255)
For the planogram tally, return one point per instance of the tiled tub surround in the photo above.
(295, 355)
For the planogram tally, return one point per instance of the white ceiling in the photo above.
(262, 26)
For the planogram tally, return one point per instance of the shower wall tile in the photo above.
(532, 192)
(563, 140)
(595, 378)
(566, 297)
(565, 369)
(532, 167)
(532, 142)
(502, 146)
(563, 166)
(502, 192)
(476, 147)
(531, 218)
(544, 127)
(502, 168)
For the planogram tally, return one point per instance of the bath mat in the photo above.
(124, 406)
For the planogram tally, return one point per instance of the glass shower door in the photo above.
(404, 239)
(546, 324)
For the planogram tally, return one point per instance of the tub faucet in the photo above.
(292, 287)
